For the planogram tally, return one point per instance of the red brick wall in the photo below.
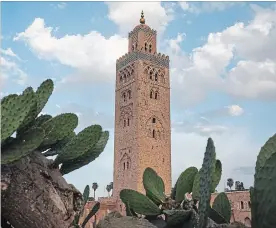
(240, 204)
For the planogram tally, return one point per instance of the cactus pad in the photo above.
(216, 175)
(87, 157)
(208, 168)
(222, 206)
(177, 217)
(23, 146)
(59, 127)
(267, 151)
(185, 183)
(216, 216)
(264, 193)
(43, 92)
(154, 186)
(196, 186)
(94, 210)
(140, 203)
(14, 109)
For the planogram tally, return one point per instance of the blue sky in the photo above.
(223, 72)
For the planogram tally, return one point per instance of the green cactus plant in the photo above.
(216, 176)
(177, 217)
(55, 135)
(185, 183)
(140, 203)
(208, 168)
(222, 205)
(154, 186)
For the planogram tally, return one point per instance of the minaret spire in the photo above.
(142, 19)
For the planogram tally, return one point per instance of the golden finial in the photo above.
(142, 19)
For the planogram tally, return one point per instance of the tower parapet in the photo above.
(156, 58)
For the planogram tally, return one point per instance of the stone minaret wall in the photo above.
(142, 113)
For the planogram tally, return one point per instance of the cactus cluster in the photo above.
(180, 209)
(189, 203)
(20, 116)
(93, 211)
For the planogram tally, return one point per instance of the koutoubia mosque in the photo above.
(143, 126)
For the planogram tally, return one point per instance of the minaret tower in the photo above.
(142, 112)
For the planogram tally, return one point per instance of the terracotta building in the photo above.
(142, 120)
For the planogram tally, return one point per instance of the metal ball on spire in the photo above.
(142, 19)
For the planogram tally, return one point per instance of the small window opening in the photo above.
(127, 165)
(146, 46)
(151, 93)
(163, 160)
(242, 205)
(153, 133)
(156, 95)
(129, 94)
(151, 75)
(124, 165)
(136, 45)
(121, 78)
(132, 47)
(124, 123)
(124, 96)
(127, 121)
(249, 204)
(150, 48)
(156, 77)
(153, 120)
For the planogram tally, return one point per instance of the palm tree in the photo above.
(230, 183)
(108, 189)
(95, 187)
(111, 186)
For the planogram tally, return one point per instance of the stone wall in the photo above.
(240, 204)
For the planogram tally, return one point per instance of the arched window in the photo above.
(153, 120)
(132, 71)
(249, 204)
(124, 77)
(124, 123)
(247, 222)
(150, 48)
(127, 121)
(146, 46)
(127, 165)
(153, 133)
(151, 93)
(156, 77)
(242, 205)
(156, 95)
(124, 165)
(121, 78)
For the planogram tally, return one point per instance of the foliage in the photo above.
(93, 211)
(46, 134)
(180, 210)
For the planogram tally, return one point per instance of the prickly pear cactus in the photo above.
(87, 157)
(14, 110)
(185, 183)
(79, 145)
(222, 205)
(21, 147)
(154, 186)
(177, 217)
(140, 203)
(208, 168)
(216, 176)
(264, 194)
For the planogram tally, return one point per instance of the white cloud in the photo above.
(11, 70)
(252, 46)
(156, 15)
(62, 5)
(235, 110)
(90, 55)
(9, 52)
(207, 7)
